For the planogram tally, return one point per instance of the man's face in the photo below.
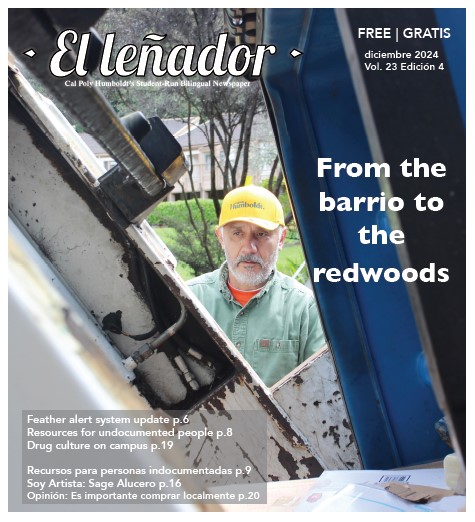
(251, 252)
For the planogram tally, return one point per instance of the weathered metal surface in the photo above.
(51, 192)
(82, 249)
(55, 364)
(313, 399)
(288, 454)
(57, 204)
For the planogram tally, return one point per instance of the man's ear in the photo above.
(282, 238)
(219, 234)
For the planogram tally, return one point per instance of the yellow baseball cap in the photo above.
(254, 205)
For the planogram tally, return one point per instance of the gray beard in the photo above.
(249, 278)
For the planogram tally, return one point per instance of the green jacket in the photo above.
(277, 330)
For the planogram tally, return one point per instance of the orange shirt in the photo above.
(243, 296)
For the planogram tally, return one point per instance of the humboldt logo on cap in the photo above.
(253, 204)
(245, 204)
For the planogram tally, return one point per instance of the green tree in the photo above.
(187, 222)
(226, 115)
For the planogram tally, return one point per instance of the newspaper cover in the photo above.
(237, 259)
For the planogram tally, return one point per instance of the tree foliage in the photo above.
(185, 243)
(226, 114)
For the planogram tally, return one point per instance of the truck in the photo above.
(102, 327)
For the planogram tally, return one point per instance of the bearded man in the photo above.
(272, 319)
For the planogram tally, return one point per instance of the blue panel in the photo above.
(454, 47)
(370, 326)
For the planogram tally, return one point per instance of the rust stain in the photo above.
(333, 431)
(287, 461)
(245, 456)
(345, 464)
(197, 462)
(285, 426)
(313, 466)
(216, 403)
(349, 464)
(351, 440)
